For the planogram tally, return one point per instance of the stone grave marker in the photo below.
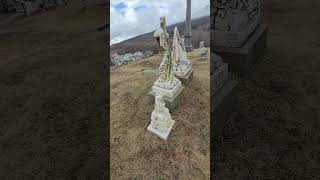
(167, 84)
(224, 93)
(203, 51)
(161, 122)
(237, 33)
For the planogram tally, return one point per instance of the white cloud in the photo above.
(130, 18)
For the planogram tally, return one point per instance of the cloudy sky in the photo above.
(130, 18)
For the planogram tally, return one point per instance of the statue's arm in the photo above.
(156, 34)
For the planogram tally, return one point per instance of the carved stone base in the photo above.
(167, 90)
(234, 39)
(224, 103)
(242, 60)
(162, 135)
(171, 102)
(188, 43)
(186, 80)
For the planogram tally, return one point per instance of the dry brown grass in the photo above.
(53, 86)
(138, 154)
(276, 135)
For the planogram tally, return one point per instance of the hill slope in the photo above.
(200, 32)
(136, 153)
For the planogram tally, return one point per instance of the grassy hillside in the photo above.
(137, 153)
(200, 32)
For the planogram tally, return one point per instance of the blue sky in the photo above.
(130, 18)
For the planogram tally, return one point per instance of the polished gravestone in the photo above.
(188, 31)
(237, 33)
(182, 66)
(224, 100)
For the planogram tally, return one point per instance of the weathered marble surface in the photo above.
(161, 122)
(182, 65)
(233, 21)
(203, 51)
(187, 30)
(201, 44)
(167, 83)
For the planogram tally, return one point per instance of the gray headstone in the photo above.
(234, 21)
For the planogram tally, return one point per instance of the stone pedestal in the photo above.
(242, 59)
(188, 42)
(162, 135)
(171, 102)
(188, 31)
(224, 99)
(186, 80)
(234, 38)
(223, 104)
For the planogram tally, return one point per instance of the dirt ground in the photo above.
(53, 86)
(276, 133)
(139, 154)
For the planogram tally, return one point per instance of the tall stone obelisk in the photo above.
(187, 30)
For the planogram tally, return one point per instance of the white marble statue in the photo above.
(182, 66)
(161, 122)
(203, 51)
(167, 83)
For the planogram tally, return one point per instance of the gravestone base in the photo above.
(186, 80)
(242, 60)
(171, 103)
(162, 135)
(224, 103)
(203, 58)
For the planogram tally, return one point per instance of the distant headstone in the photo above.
(187, 31)
(201, 44)
(203, 51)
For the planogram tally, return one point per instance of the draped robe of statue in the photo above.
(182, 66)
(160, 117)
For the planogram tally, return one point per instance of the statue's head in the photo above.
(163, 21)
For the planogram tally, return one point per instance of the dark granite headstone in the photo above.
(237, 33)
(224, 99)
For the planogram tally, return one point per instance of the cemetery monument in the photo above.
(223, 96)
(203, 51)
(182, 66)
(187, 31)
(237, 33)
(167, 84)
(161, 122)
